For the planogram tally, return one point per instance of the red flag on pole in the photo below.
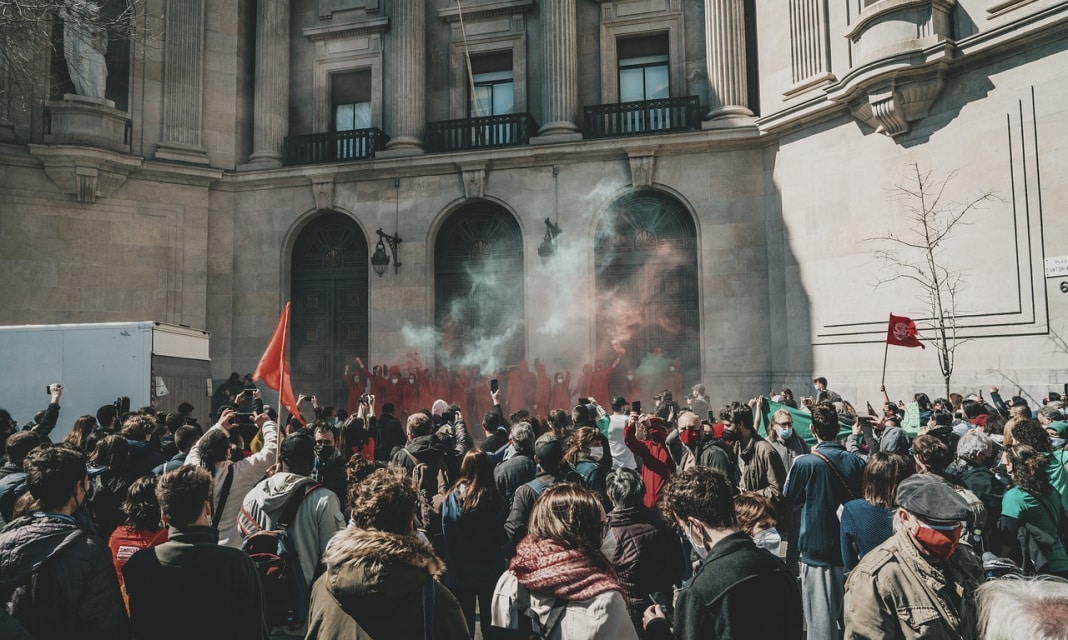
(273, 368)
(902, 332)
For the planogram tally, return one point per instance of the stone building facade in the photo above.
(714, 168)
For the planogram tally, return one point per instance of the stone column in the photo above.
(183, 83)
(409, 78)
(561, 70)
(725, 51)
(271, 117)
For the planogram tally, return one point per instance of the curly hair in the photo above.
(138, 427)
(1034, 435)
(1029, 469)
(571, 516)
(701, 493)
(141, 505)
(385, 501)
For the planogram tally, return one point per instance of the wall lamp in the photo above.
(548, 245)
(380, 260)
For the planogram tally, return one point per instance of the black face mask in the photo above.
(325, 452)
(730, 436)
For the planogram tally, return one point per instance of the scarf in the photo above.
(550, 568)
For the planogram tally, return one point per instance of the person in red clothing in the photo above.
(560, 394)
(391, 390)
(522, 385)
(142, 529)
(584, 386)
(645, 435)
(355, 379)
(544, 385)
(599, 385)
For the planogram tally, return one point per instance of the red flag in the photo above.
(902, 332)
(273, 368)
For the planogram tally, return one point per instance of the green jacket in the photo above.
(896, 593)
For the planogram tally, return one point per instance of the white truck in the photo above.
(151, 363)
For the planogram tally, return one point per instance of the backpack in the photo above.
(580, 473)
(285, 591)
(430, 485)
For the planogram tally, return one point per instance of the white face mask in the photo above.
(596, 452)
(608, 545)
(394, 380)
(700, 549)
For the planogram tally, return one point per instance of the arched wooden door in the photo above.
(646, 275)
(478, 298)
(329, 316)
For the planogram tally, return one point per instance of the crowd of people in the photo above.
(769, 518)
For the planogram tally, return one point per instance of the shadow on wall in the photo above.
(790, 322)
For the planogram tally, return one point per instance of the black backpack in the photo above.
(285, 591)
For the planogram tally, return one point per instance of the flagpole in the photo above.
(886, 350)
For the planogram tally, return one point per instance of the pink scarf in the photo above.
(550, 568)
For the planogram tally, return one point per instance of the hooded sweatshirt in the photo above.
(373, 587)
(318, 518)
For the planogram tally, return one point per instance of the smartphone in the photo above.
(662, 599)
(636, 406)
(48, 389)
(494, 385)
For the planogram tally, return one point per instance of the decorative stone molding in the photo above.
(891, 105)
(474, 177)
(327, 8)
(79, 120)
(810, 62)
(1005, 6)
(85, 173)
(323, 192)
(891, 27)
(477, 12)
(642, 166)
(903, 49)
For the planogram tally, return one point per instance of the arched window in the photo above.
(478, 298)
(646, 275)
(329, 317)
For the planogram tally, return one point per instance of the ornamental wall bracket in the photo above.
(642, 166)
(84, 172)
(890, 96)
(323, 191)
(474, 178)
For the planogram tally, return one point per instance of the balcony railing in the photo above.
(333, 146)
(643, 118)
(480, 133)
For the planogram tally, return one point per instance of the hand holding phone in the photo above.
(636, 406)
(494, 385)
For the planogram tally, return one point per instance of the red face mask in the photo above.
(940, 543)
(689, 437)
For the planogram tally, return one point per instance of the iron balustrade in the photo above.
(479, 133)
(333, 146)
(643, 117)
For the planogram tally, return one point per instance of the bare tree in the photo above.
(917, 255)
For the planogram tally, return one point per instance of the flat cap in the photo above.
(549, 448)
(931, 498)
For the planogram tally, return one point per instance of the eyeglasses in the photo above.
(784, 424)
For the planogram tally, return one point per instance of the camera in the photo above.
(365, 399)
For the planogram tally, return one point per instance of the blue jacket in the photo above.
(813, 485)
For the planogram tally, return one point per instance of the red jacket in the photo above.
(657, 464)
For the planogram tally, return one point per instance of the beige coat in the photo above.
(895, 593)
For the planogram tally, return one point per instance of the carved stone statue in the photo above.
(85, 41)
